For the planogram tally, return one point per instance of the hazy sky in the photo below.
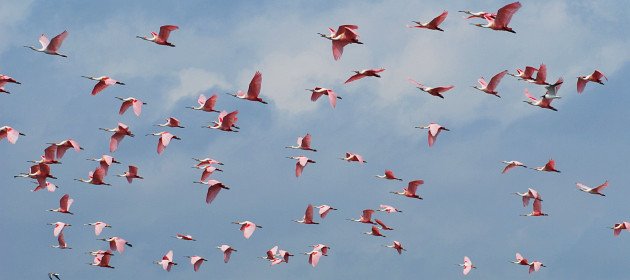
(467, 207)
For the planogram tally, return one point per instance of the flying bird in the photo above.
(388, 209)
(511, 164)
(64, 145)
(324, 210)
(302, 161)
(10, 133)
(116, 243)
(542, 103)
(535, 266)
(131, 174)
(396, 245)
(39, 172)
(120, 132)
(196, 261)
(303, 143)
(130, 102)
(50, 47)
(467, 265)
(64, 205)
(105, 161)
(227, 252)
(433, 24)
(164, 140)
(48, 186)
(214, 187)
(95, 177)
(59, 226)
(434, 130)
(162, 38)
(61, 243)
(435, 91)
(520, 260)
(207, 171)
(525, 74)
(374, 232)
(344, 35)
(537, 212)
(247, 228)
(171, 122)
(550, 166)
(366, 217)
(490, 88)
(313, 257)
(4, 79)
(186, 237)
(102, 258)
(389, 175)
(167, 261)
(410, 190)
(618, 227)
(206, 161)
(53, 274)
(253, 91)
(353, 157)
(596, 190)
(206, 104)
(502, 19)
(98, 227)
(529, 194)
(481, 14)
(103, 83)
(308, 216)
(596, 77)
(364, 73)
(317, 92)
(225, 121)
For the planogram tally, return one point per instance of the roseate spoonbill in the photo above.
(206, 105)
(353, 157)
(206, 161)
(271, 254)
(285, 255)
(103, 83)
(162, 38)
(595, 190)
(542, 103)
(98, 227)
(120, 132)
(537, 210)
(48, 186)
(253, 91)
(502, 19)
(313, 257)
(345, 34)
(366, 217)
(59, 226)
(95, 177)
(167, 261)
(389, 175)
(303, 143)
(383, 225)
(207, 171)
(247, 228)
(10, 133)
(596, 77)
(50, 47)
(541, 77)
(165, 139)
(490, 88)
(171, 122)
(322, 248)
(308, 216)
(196, 261)
(481, 14)
(530, 193)
(302, 161)
(56, 275)
(61, 242)
(105, 161)
(410, 190)
(618, 227)
(4, 79)
(365, 73)
(433, 24)
(374, 232)
(64, 205)
(317, 92)
(467, 265)
(225, 121)
(511, 164)
(324, 210)
(524, 75)
(550, 166)
(434, 130)
(49, 156)
(116, 243)
(396, 245)
(39, 172)
(186, 237)
(64, 145)
(435, 91)
(102, 258)
(520, 260)
(214, 187)
(227, 252)
(388, 209)
(129, 102)
(535, 266)
(131, 174)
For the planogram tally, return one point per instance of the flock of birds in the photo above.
(344, 35)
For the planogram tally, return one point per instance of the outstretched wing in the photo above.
(254, 85)
(165, 31)
(55, 43)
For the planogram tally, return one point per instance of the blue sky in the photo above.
(467, 207)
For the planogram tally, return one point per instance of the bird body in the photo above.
(344, 35)
(253, 91)
(490, 88)
(103, 83)
(317, 92)
(434, 130)
(162, 37)
(433, 24)
(502, 19)
(365, 73)
(435, 91)
(596, 190)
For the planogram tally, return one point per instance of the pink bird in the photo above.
(214, 187)
(247, 228)
(389, 175)
(502, 19)
(535, 266)
(308, 216)
(64, 205)
(253, 91)
(196, 261)
(129, 102)
(302, 161)
(225, 122)
(520, 260)
(165, 139)
(116, 243)
(162, 38)
(4, 79)
(434, 130)
(396, 245)
(433, 24)
(541, 77)
(317, 92)
(167, 261)
(383, 225)
(63, 146)
(481, 14)
(95, 177)
(103, 83)
(98, 227)
(526, 74)
(313, 257)
(374, 232)
(324, 210)
(410, 190)
(322, 248)
(353, 157)
(49, 156)
(59, 226)
(467, 265)
(436, 91)
(537, 212)
(511, 164)
(490, 88)
(542, 103)
(186, 237)
(366, 217)
(206, 161)
(270, 255)
(10, 133)
(284, 255)
(207, 171)
(595, 190)
(206, 105)
(365, 73)
(596, 77)
(388, 209)
(131, 174)
(102, 258)
(618, 227)
(303, 143)
(345, 34)
(61, 242)
(50, 47)
(227, 252)
(39, 172)
(550, 166)
(120, 132)
(171, 122)
(47, 185)
(529, 194)
(105, 161)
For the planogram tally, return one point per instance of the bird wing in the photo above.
(229, 119)
(298, 168)
(598, 75)
(101, 85)
(482, 82)
(413, 186)
(551, 165)
(43, 40)
(64, 202)
(582, 187)
(98, 228)
(389, 174)
(381, 224)
(248, 229)
(323, 211)
(120, 244)
(201, 100)
(530, 96)
(443, 89)
(58, 228)
(308, 214)
(213, 191)
(495, 80)
(438, 20)
(504, 15)
(306, 141)
(581, 84)
(534, 193)
(316, 95)
(115, 140)
(55, 43)
(49, 153)
(210, 102)
(124, 106)
(541, 76)
(367, 214)
(601, 187)
(537, 206)
(313, 258)
(354, 78)
(165, 31)
(332, 98)
(226, 255)
(197, 263)
(415, 83)
(62, 242)
(137, 107)
(337, 48)
(254, 86)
